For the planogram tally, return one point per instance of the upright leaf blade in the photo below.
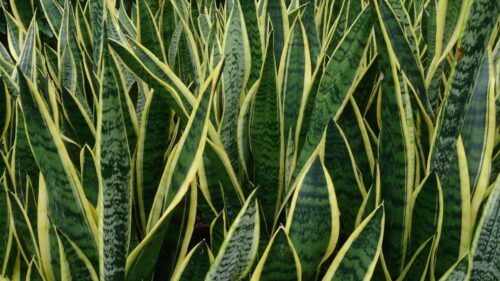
(239, 249)
(114, 164)
(358, 256)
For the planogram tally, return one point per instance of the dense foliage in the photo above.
(249, 140)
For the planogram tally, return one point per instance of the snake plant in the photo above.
(249, 140)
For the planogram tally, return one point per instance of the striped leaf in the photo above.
(5, 109)
(66, 207)
(235, 75)
(177, 176)
(341, 167)
(253, 30)
(196, 264)
(152, 145)
(313, 219)
(334, 85)
(239, 249)
(427, 213)
(358, 256)
(477, 124)
(455, 233)
(395, 165)
(402, 49)
(418, 266)
(472, 44)
(458, 272)
(485, 250)
(148, 34)
(113, 160)
(265, 140)
(279, 262)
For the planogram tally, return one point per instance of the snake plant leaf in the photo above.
(472, 43)
(311, 31)
(485, 250)
(313, 218)
(77, 263)
(148, 34)
(5, 110)
(249, 10)
(427, 213)
(418, 266)
(152, 145)
(178, 174)
(476, 124)
(277, 12)
(235, 76)
(178, 237)
(142, 63)
(13, 34)
(66, 206)
(88, 175)
(53, 13)
(459, 271)
(4, 220)
(232, 193)
(196, 264)
(113, 160)
(358, 256)
(239, 249)
(403, 51)
(297, 68)
(334, 85)
(455, 232)
(395, 165)
(265, 138)
(279, 262)
(217, 232)
(97, 10)
(341, 167)
(22, 228)
(185, 159)
(139, 263)
(27, 58)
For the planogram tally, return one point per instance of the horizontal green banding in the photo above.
(154, 138)
(361, 256)
(148, 31)
(190, 148)
(393, 168)
(280, 262)
(339, 165)
(252, 25)
(426, 209)
(293, 81)
(239, 249)
(144, 67)
(334, 85)
(485, 249)
(472, 43)
(265, 139)
(404, 53)
(114, 157)
(474, 130)
(65, 206)
(458, 272)
(234, 79)
(78, 269)
(311, 220)
(449, 243)
(53, 14)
